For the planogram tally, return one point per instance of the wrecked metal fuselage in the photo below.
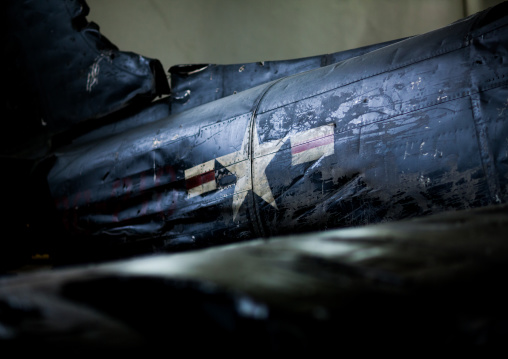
(430, 283)
(413, 128)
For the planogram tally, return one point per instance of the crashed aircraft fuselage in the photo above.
(413, 128)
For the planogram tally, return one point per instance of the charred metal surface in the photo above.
(195, 84)
(434, 283)
(414, 128)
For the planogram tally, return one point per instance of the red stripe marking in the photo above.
(200, 179)
(312, 144)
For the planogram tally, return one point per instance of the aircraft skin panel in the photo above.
(413, 128)
(376, 176)
(413, 134)
(196, 84)
(413, 53)
(491, 123)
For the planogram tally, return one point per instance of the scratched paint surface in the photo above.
(414, 128)
(193, 85)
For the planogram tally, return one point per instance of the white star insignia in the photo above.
(249, 164)
(240, 165)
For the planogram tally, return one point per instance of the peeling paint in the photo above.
(502, 109)
(185, 96)
(416, 83)
(424, 181)
(154, 169)
(421, 149)
(156, 143)
(438, 153)
(94, 71)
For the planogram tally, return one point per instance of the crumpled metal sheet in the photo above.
(62, 72)
(196, 84)
(411, 129)
(434, 283)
